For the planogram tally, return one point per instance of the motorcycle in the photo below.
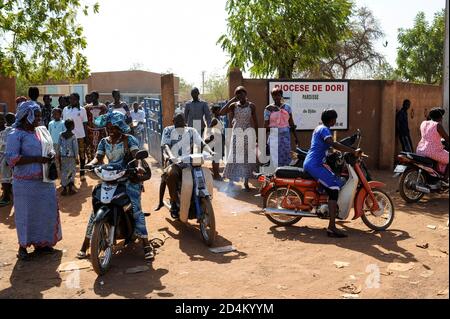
(113, 212)
(419, 176)
(195, 193)
(299, 155)
(291, 194)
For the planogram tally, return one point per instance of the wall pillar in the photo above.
(167, 99)
(8, 93)
(387, 125)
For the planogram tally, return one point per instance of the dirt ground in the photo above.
(269, 261)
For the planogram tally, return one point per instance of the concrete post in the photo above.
(167, 99)
(8, 93)
(387, 125)
(446, 64)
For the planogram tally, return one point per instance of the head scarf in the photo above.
(26, 109)
(115, 118)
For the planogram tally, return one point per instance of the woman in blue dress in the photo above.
(114, 148)
(321, 141)
(35, 204)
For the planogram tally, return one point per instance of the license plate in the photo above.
(198, 173)
(400, 169)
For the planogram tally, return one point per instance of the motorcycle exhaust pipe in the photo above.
(423, 189)
(289, 212)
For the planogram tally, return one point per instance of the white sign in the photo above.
(309, 99)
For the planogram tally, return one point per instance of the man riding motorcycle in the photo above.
(321, 141)
(177, 140)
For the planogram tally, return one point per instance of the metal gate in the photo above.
(154, 127)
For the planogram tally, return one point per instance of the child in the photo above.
(68, 157)
(216, 135)
(5, 170)
(56, 127)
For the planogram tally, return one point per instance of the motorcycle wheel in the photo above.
(383, 218)
(273, 200)
(207, 222)
(408, 177)
(101, 250)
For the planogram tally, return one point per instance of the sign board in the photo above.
(309, 98)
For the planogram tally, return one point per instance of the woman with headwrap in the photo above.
(35, 204)
(115, 148)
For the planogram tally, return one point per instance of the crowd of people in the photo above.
(39, 139)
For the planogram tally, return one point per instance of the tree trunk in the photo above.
(285, 70)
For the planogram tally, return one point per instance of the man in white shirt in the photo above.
(138, 126)
(79, 116)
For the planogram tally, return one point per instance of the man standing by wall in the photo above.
(197, 111)
(402, 127)
(138, 127)
(79, 116)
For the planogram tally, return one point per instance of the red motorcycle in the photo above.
(291, 194)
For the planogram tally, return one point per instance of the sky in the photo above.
(180, 36)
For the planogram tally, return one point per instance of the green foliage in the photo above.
(386, 72)
(41, 40)
(217, 88)
(277, 36)
(421, 51)
(185, 88)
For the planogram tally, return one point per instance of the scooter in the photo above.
(419, 176)
(113, 212)
(291, 194)
(195, 193)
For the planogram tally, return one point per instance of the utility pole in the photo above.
(203, 80)
(446, 56)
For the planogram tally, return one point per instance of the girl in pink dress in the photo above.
(430, 145)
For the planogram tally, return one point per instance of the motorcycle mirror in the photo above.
(142, 154)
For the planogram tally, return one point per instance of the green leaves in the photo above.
(421, 51)
(40, 40)
(277, 36)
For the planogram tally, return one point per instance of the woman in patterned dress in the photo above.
(279, 124)
(430, 144)
(241, 161)
(35, 203)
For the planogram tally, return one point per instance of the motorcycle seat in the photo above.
(292, 172)
(421, 159)
(301, 152)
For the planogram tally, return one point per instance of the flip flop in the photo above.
(334, 234)
(149, 254)
(81, 255)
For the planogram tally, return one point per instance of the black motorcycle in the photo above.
(419, 176)
(113, 212)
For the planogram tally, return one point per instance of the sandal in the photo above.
(23, 254)
(336, 234)
(82, 255)
(45, 250)
(149, 254)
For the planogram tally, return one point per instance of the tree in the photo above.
(41, 40)
(385, 72)
(419, 57)
(355, 52)
(184, 90)
(217, 87)
(278, 36)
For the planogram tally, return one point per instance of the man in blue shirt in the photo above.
(321, 141)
